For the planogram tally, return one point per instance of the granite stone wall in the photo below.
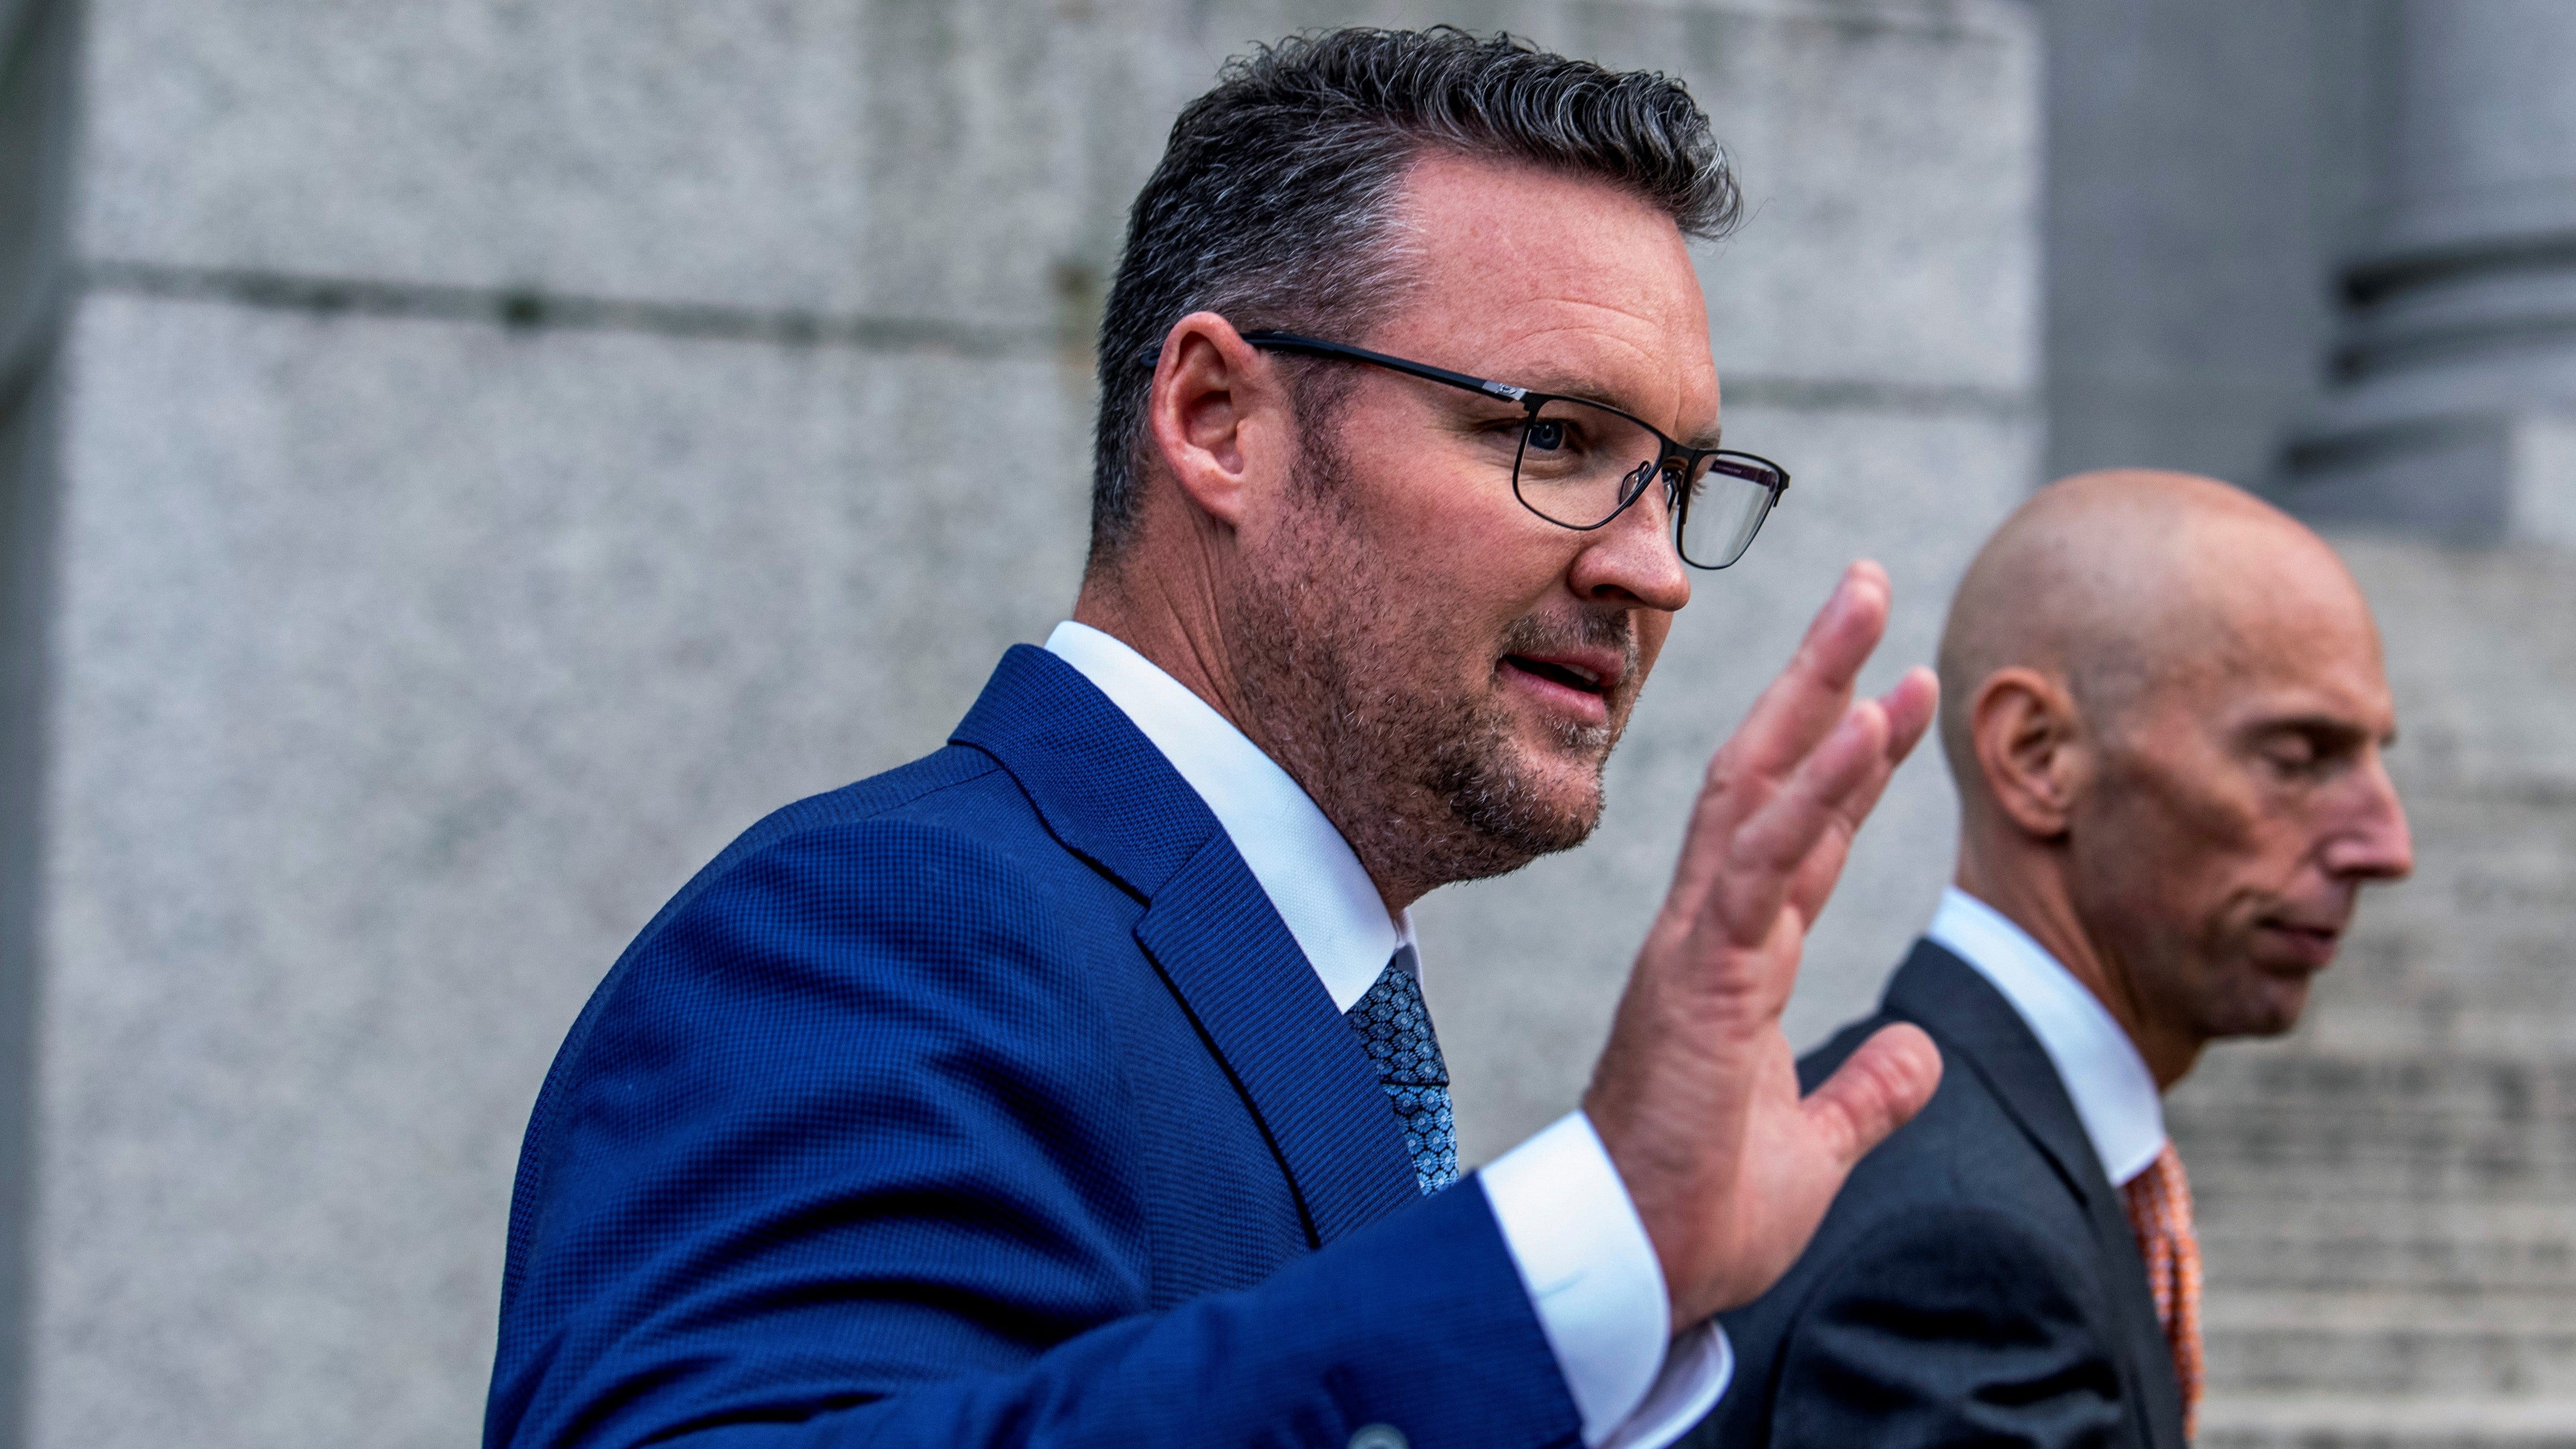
(504, 449)
(36, 116)
(2207, 165)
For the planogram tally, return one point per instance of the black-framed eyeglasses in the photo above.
(1580, 464)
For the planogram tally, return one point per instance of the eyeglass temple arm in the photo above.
(1291, 342)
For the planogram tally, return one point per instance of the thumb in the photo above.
(1877, 1089)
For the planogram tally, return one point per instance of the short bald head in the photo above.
(2119, 579)
(2163, 702)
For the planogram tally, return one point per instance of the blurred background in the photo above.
(462, 461)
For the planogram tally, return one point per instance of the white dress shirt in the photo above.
(2113, 1091)
(1566, 1219)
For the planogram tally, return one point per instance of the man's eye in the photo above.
(2294, 755)
(1547, 435)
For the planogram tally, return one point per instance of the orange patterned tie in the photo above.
(2160, 1214)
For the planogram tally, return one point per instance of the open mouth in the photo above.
(1572, 676)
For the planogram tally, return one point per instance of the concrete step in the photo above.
(2431, 1168)
(2458, 1248)
(2352, 1421)
(2296, 1078)
(2452, 1021)
(2421, 1166)
(2390, 1344)
(2318, 1124)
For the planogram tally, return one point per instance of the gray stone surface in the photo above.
(910, 158)
(404, 669)
(406, 660)
(27, 427)
(36, 118)
(2483, 122)
(2205, 162)
(2459, 361)
(2463, 465)
(970, 164)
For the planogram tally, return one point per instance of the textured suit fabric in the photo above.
(1976, 1281)
(987, 1101)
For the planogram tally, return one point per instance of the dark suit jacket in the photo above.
(988, 1101)
(1975, 1283)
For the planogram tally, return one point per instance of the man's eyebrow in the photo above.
(1563, 385)
(2335, 726)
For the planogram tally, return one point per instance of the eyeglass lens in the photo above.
(1580, 464)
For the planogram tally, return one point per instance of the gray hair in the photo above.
(1274, 203)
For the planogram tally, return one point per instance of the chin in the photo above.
(2272, 1008)
(1565, 786)
(1547, 816)
(1509, 809)
(1511, 788)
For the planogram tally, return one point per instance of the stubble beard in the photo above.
(1426, 784)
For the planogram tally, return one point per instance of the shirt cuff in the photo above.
(1593, 1278)
(1696, 1370)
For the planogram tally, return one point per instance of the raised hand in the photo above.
(1696, 1095)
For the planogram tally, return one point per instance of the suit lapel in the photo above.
(1231, 961)
(1103, 789)
(1111, 798)
(1947, 997)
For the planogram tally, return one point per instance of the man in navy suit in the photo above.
(2164, 708)
(1071, 1084)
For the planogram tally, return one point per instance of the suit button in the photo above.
(1380, 1436)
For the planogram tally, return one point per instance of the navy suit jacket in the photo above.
(1976, 1282)
(988, 1101)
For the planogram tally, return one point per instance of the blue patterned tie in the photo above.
(1396, 1028)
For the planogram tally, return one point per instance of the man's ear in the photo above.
(2031, 748)
(1219, 414)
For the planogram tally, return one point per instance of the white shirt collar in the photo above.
(2114, 1093)
(1309, 872)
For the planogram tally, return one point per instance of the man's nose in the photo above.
(1633, 555)
(2373, 842)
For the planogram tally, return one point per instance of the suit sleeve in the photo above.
(1952, 1326)
(823, 1164)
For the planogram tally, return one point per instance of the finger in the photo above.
(1911, 707)
(1783, 725)
(1812, 692)
(1877, 1089)
(1770, 851)
(1786, 827)
(1823, 867)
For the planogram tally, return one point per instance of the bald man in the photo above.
(2163, 704)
